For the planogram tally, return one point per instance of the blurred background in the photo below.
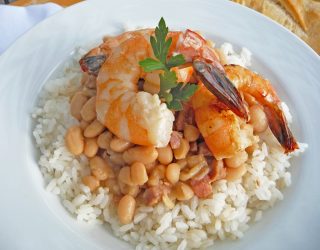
(301, 17)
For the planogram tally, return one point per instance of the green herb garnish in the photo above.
(172, 92)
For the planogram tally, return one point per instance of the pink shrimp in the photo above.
(136, 116)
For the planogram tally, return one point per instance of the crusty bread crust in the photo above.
(302, 17)
(296, 9)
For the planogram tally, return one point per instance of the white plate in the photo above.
(31, 218)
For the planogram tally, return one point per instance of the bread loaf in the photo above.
(302, 17)
(313, 24)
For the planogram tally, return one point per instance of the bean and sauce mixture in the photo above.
(146, 174)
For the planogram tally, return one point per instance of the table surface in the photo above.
(60, 2)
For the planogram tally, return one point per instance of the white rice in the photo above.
(198, 223)
(231, 57)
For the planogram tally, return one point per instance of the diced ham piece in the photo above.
(218, 171)
(203, 149)
(185, 116)
(180, 120)
(175, 139)
(193, 146)
(152, 195)
(202, 188)
(190, 118)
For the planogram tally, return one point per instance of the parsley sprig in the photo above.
(172, 92)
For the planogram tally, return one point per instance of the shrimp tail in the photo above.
(92, 61)
(217, 83)
(279, 127)
(92, 64)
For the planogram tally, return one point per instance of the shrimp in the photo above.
(261, 89)
(223, 131)
(141, 118)
(233, 81)
(133, 115)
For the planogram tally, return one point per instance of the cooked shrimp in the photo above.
(218, 116)
(192, 46)
(223, 131)
(261, 89)
(138, 117)
(227, 95)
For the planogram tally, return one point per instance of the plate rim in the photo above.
(82, 3)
